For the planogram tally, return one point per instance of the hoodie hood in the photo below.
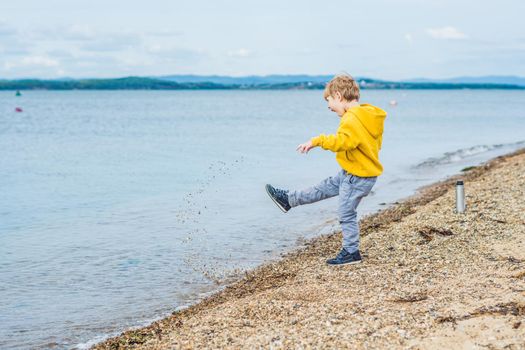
(371, 117)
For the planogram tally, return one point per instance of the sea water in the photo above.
(119, 207)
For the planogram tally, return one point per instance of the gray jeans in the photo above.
(351, 189)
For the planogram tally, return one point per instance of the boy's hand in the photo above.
(305, 147)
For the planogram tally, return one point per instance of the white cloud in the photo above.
(39, 61)
(32, 61)
(409, 38)
(446, 33)
(113, 42)
(33, 66)
(134, 61)
(240, 53)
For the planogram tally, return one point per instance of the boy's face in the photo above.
(335, 104)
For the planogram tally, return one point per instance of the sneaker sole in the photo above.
(348, 263)
(273, 199)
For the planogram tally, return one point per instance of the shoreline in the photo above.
(305, 264)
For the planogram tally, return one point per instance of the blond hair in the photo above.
(345, 85)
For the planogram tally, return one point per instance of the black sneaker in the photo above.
(345, 257)
(280, 197)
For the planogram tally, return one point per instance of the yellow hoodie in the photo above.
(357, 141)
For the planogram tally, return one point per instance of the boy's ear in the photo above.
(338, 96)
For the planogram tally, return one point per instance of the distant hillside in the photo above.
(191, 82)
(128, 83)
(490, 79)
(247, 80)
(291, 79)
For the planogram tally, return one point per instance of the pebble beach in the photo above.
(430, 279)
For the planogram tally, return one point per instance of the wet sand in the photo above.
(430, 279)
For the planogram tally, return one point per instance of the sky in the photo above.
(383, 39)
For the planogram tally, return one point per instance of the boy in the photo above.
(356, 143)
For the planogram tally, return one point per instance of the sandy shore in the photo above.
(430, 279)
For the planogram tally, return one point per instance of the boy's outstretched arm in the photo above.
(345, 139)
(335, 143)
(341, 141)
